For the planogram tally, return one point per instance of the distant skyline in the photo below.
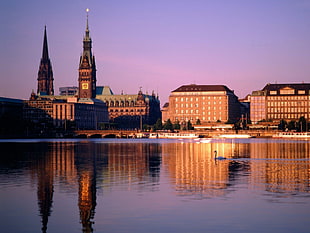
(157, 45)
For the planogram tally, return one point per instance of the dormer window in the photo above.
(287, 91)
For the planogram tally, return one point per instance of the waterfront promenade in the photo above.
(201, 133)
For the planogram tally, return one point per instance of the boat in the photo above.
(297, 135)
(235, 136)
(174, 135)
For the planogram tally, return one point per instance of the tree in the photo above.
(177, 125)
(291, 125)
(282, 125)
(158, 125)
(168, 125)
(189, 125)
(302, 124)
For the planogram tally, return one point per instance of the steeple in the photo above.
(45, 73)
(87, 68)
(45, 47)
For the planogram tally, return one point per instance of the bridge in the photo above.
(108, 134)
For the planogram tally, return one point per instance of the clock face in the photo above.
(84, 86)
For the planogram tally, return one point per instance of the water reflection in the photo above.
(195, 172)
(85, 168)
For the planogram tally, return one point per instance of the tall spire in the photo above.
(45, 73)
(45, 47)
(87, 68)
(87, 39)
(87, 29)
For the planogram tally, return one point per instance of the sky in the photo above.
(158, 45)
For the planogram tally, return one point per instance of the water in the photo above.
(154, 185)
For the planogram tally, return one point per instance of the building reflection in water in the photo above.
(278, 167)
(48, 162)
(133, 164)
(282, 167)
(194, 170)
(86, 164)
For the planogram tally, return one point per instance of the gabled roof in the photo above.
(104, 90)
(195, 87)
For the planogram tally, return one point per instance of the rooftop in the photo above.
(195, 87)
(296, 86)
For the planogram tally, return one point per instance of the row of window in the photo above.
(288, 97)
(283, 103)
(289, 110)
(286, 116)
(126, 110)
(177, 111)
(192, 105)
(191, 118)
(182, 99)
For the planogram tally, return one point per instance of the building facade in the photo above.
(206, 103)
(79, 114)
(277, 102)
(130, 111)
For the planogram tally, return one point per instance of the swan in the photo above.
(218, 157)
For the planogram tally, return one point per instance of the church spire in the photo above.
(45, 73)
(45, 47)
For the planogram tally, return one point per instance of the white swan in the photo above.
(218, 157)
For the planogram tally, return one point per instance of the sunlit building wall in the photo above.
(208, 103)
(281, 101)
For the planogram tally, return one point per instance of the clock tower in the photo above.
(87, 68)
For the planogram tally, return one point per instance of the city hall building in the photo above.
(277, 102)
(206, 103)
(130, 111)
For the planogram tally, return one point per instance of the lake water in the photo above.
(154, 185)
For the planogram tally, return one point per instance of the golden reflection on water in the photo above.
(272, 166)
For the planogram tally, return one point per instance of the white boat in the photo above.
(174, 135)
(235, 136)
(301, 135)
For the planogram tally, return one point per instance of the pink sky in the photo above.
(158, 45)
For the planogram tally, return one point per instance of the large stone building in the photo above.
(277, 102)
(206, 103)
(130, 110)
